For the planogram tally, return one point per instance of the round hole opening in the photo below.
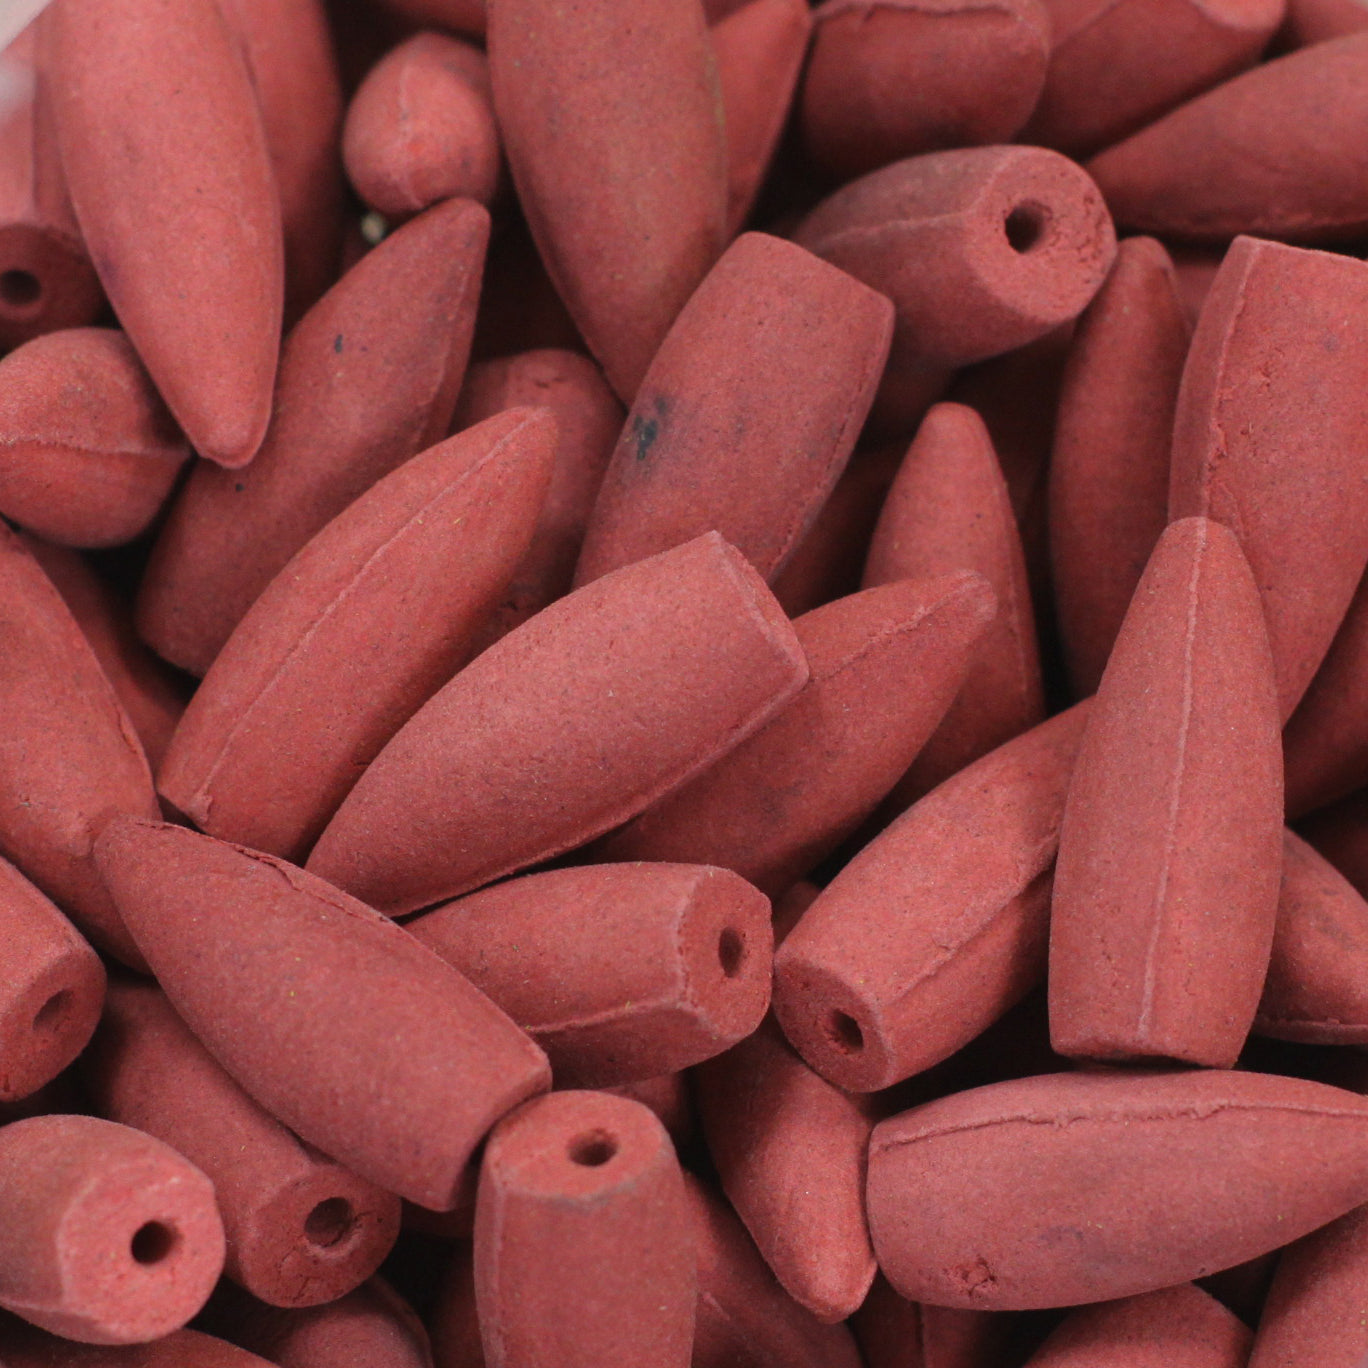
(731, 950)
(152, 1242)
(592, 1150)
(1025, 227)
(49, 1016)
(20, 289)
(845, 1033)
(330, 1222)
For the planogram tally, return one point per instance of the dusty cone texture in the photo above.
(894, 78)
(583, 1246)
(790, 1152)
(46, 279)
(1115, 68)
(690, 639)
(588, 421)
(980, 249)
(289, 52)
(300, 1228)
(90, 453)
(619, 972)
(938, 926)
(748, 413)
(372, 616)
(1178, 1327)
(885, 664)
(829, 561)
(367, 378)
(1317, 21)
(744, 1316)
(1325, 742)
(151, 696)
(57, 794)
(1273, 401)
(895, 1333)
(1109, 466)
(373, 1326)
(52, 987)
(701, 798)
(1166, 888)
(617, 149)
(1315, 1305)
(111, 1237)
(166, 160)
(1265, 153)
(421, 128)
(1313, 992)
(1163, 1175)
(949, 509)
(759, 50)
(27, 1347)
(332, 1018)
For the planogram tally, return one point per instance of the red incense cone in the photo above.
(790, 1152)
(619, 972)
(748, 413)
(611, 119)
(1314, 991)
(289, 52)
(583, 1246)
(1318, 21)
(421, 128)
(1115, 68)
(46, 279)
(949, 509)
(759, 48)
(52, 988)
(1160, 1175)
(368, 377)
(745, 1319)
(890, 79)
(111, 1237)
(1314, 1311)
(588, 420)
(375, 614)
(334, 1019)
(90, 452)
(885, 665)
(659, 669)
(1325, 742)
(1109, 468)
(69, 758)
(938, 926)
(1166, 888)
(300, 1228)
(829, 562)
(151, 697)
(1271, 152)
(27, 1347)
(1272, 406)
(372, 1327)
(895, 1333)
(169, 172)
(1177, 1327)
(981, 250)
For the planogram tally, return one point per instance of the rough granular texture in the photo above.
(1166, 887)
(611, 117)
(748, 413)
(567, 727)
(166, 160)
(336, 1021)
(1070, 1188)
